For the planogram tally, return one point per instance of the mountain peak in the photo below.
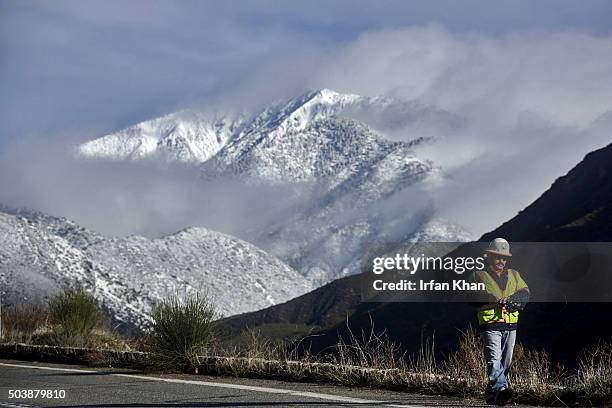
(331, 96)
(324, 99)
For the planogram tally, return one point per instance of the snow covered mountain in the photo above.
(40, 254)
(363, 180)
(186, 136)
(192, 136)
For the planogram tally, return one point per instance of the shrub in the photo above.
(74, 315)
(180, 331)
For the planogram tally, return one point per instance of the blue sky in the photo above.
(85, 68)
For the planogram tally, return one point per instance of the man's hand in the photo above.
(519, 299)
(512, 307)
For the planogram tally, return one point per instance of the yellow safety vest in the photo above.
(494, 312)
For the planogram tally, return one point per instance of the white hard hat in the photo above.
(499, 246)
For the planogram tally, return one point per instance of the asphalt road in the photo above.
(86, 387)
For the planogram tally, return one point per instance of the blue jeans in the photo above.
(498, 347)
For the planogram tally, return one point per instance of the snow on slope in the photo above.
(329, 150)
(317, 139)
(238, 276)
(280, 143)
(130, 275)
(76, 235)
(359, 169)
(34, 262)
(186, 136)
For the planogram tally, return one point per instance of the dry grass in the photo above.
(374, 360)
(534, 378)
(593, 379)
(367, 359)
(32, 324)
(20, 322)
(258, 357)
(372, 350)
(466, 366)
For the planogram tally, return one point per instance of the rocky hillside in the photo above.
(356, 187)
(40, 254)
(586, 194)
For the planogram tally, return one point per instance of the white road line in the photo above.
(7, 405)
(66, 370)
(269, 390)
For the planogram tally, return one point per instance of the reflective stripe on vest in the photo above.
(493, 312)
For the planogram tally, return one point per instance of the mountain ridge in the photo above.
(360, 177)
(317, 318)
(128, 276)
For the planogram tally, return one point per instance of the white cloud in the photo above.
(532, 104)
(529, 103)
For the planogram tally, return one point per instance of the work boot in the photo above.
(503, 396)
(490, 396)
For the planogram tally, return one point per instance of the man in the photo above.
(507, 294)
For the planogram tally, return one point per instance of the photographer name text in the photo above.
(428, 285)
